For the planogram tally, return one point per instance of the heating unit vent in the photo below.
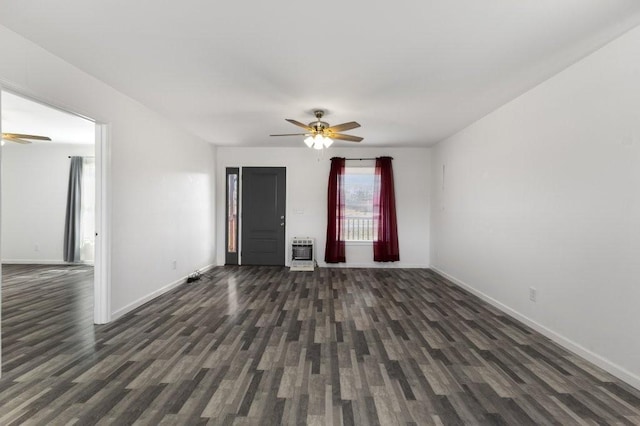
(303, 254)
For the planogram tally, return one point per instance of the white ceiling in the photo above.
(411, 72)
(20, 115)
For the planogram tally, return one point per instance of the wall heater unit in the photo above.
(303, 254)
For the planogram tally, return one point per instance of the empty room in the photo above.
(409, 213)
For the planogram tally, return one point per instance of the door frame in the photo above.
(102, 262)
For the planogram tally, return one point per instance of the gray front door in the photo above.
(263, 215)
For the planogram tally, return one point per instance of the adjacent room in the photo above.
(48, 225)
(426, 214)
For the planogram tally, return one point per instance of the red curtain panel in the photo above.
(334, 251)
(385, 244)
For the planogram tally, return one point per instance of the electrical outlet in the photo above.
(174, 264)
(533, 294)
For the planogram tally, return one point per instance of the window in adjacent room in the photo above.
(358, 196)
(88, 210)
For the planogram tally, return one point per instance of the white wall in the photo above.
(162, 182)
(307, 180)
(545, 193)
(35, 179)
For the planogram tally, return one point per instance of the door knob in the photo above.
(282, 224)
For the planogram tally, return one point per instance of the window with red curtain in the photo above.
(334, 251)
(385, 243)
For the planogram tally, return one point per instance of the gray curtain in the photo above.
(72, 219)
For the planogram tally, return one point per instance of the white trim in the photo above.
(102, 272)
(141, 301)
(41, 262)
(29, 94)
(612, 368)
(376, 265)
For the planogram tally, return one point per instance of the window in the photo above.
(231, 232)
(88, 210)
(358, 196)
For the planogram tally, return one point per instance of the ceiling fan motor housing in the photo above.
(319, 126)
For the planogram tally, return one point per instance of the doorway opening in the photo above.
(44, 220)
(49, 184)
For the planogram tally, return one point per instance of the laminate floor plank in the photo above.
(266, 346)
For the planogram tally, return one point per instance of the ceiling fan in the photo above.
(320, 134)
(22, 138)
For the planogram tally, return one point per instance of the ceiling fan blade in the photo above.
(292, 134)
(23, 136)
(342, 137)
(297, 123)
(344, 126)
(16, 140)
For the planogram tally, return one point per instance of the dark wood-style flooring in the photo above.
(262, 345)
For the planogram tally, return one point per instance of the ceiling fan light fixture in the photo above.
(318, 141)
(309, 141)
(327, 142)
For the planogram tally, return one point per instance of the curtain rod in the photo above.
(363, 159)
(83, 156)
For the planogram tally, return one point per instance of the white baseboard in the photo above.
(372, 265)
(159, 292)
(612, 368)
(35, 262)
